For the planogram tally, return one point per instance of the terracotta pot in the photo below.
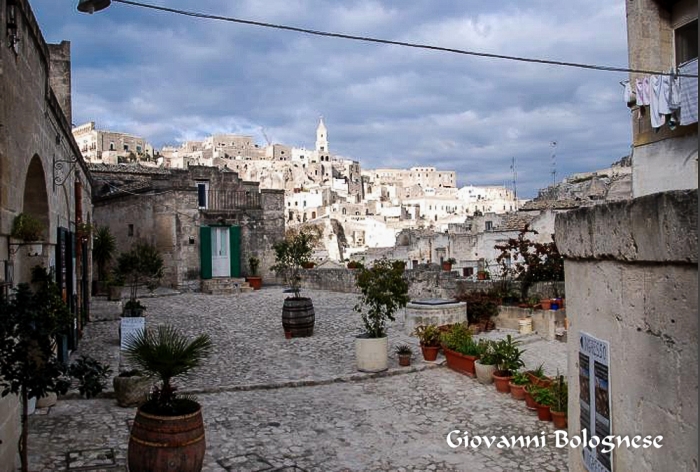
(530, 402)
(446, 266)
(539, 381)
(546, 304)
(255, 282)
(517, 391)
(460, 362)
(429, 352)
(404, 360)
(559, 419)
(167, 442)
(543, 412)
(502, 382)
(484, 373)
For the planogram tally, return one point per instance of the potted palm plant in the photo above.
(291, 254)
(104, 245)
(168, 430)
(383, 290)
(429, 337)
(254, 280)
(508, 355)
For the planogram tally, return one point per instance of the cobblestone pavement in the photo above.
(276, 404)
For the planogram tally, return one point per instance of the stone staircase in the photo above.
(225, 286)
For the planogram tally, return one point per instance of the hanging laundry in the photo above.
(641, 95)
(674, 93)
(628, 95)
(689, 92)
(658, 119)
(664, 95)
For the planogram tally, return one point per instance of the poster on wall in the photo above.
(594, 398)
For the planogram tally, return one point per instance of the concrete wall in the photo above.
(632, 280)
(671, 164)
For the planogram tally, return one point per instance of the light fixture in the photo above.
(91, 6)
(11, 23)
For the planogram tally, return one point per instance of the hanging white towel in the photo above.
(641, 96)
(665, 95)
(674, 93)
(657, 118)
(689, 92)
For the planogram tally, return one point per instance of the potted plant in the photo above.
(485, 366)
(560, 402)
(291, 254)
(90, 374)
(461, 351)
(131, 388)
(30, 230)
(429, 337)
(254, 280)
(517, 385)
(143, 264)
(168, 430)
(448, 263)
(508, 362)
(104, 245)
(404, 352)
(544, 398)
(29, 324)
(538, 378)
(383, 290)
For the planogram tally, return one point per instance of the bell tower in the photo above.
(322, 138)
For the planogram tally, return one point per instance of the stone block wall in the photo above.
(632, 280)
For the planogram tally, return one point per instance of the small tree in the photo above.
(292, 253)
(143, 264)
(530, 261)
(103, 247)
(29, 324)
(384, 290)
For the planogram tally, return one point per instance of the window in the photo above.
(126, 147)
(202, 191)
(111, 146)
(130, 231)
(686, 39)
(489, 225)
(467, 271)
(138, 148)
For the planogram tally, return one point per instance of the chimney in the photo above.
(59, 76)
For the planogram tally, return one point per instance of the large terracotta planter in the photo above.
(544, 413)
(372, 354)
(167, 442)
(484, 373)
(298, 317)
(502, 381)
(254, 281)
(430, 353)
(460, 362)
(517, 391)
(559, 419)
(539, 381)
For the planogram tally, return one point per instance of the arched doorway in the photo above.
(36, 201)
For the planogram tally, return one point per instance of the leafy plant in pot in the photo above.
(168, 431)
(29, 324)
(485, 366)
(141, 265)
(104, 245)
(508, 355)
(254, 280)
(544, 399)
(404, 352)
(538, 378)
(429, 337)
(517, 385)
(560, 402)
(291, 254)
(383, 290)
(461, 351)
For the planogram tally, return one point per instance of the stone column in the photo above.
(632, 280)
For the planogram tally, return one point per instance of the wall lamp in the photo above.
(91, 6)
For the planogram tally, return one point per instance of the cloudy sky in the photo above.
(171, 78)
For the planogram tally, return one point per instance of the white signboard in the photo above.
(594, 382)
(130, 327)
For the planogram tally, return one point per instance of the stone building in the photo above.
(42, 173)
(632, 278)
(111, 147)
(205, 221)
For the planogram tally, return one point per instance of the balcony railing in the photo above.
(232, 200)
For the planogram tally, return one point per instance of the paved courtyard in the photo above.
(272, 403)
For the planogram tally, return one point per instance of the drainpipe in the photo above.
(78, 192)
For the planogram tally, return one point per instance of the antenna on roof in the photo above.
(554, 162)
(515, 177)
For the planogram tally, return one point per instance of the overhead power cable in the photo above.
(398, 43)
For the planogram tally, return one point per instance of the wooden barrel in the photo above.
(298, 317)
(167, 443)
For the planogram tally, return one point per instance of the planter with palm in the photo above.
(168, 431)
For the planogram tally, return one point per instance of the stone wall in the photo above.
(632, 280)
